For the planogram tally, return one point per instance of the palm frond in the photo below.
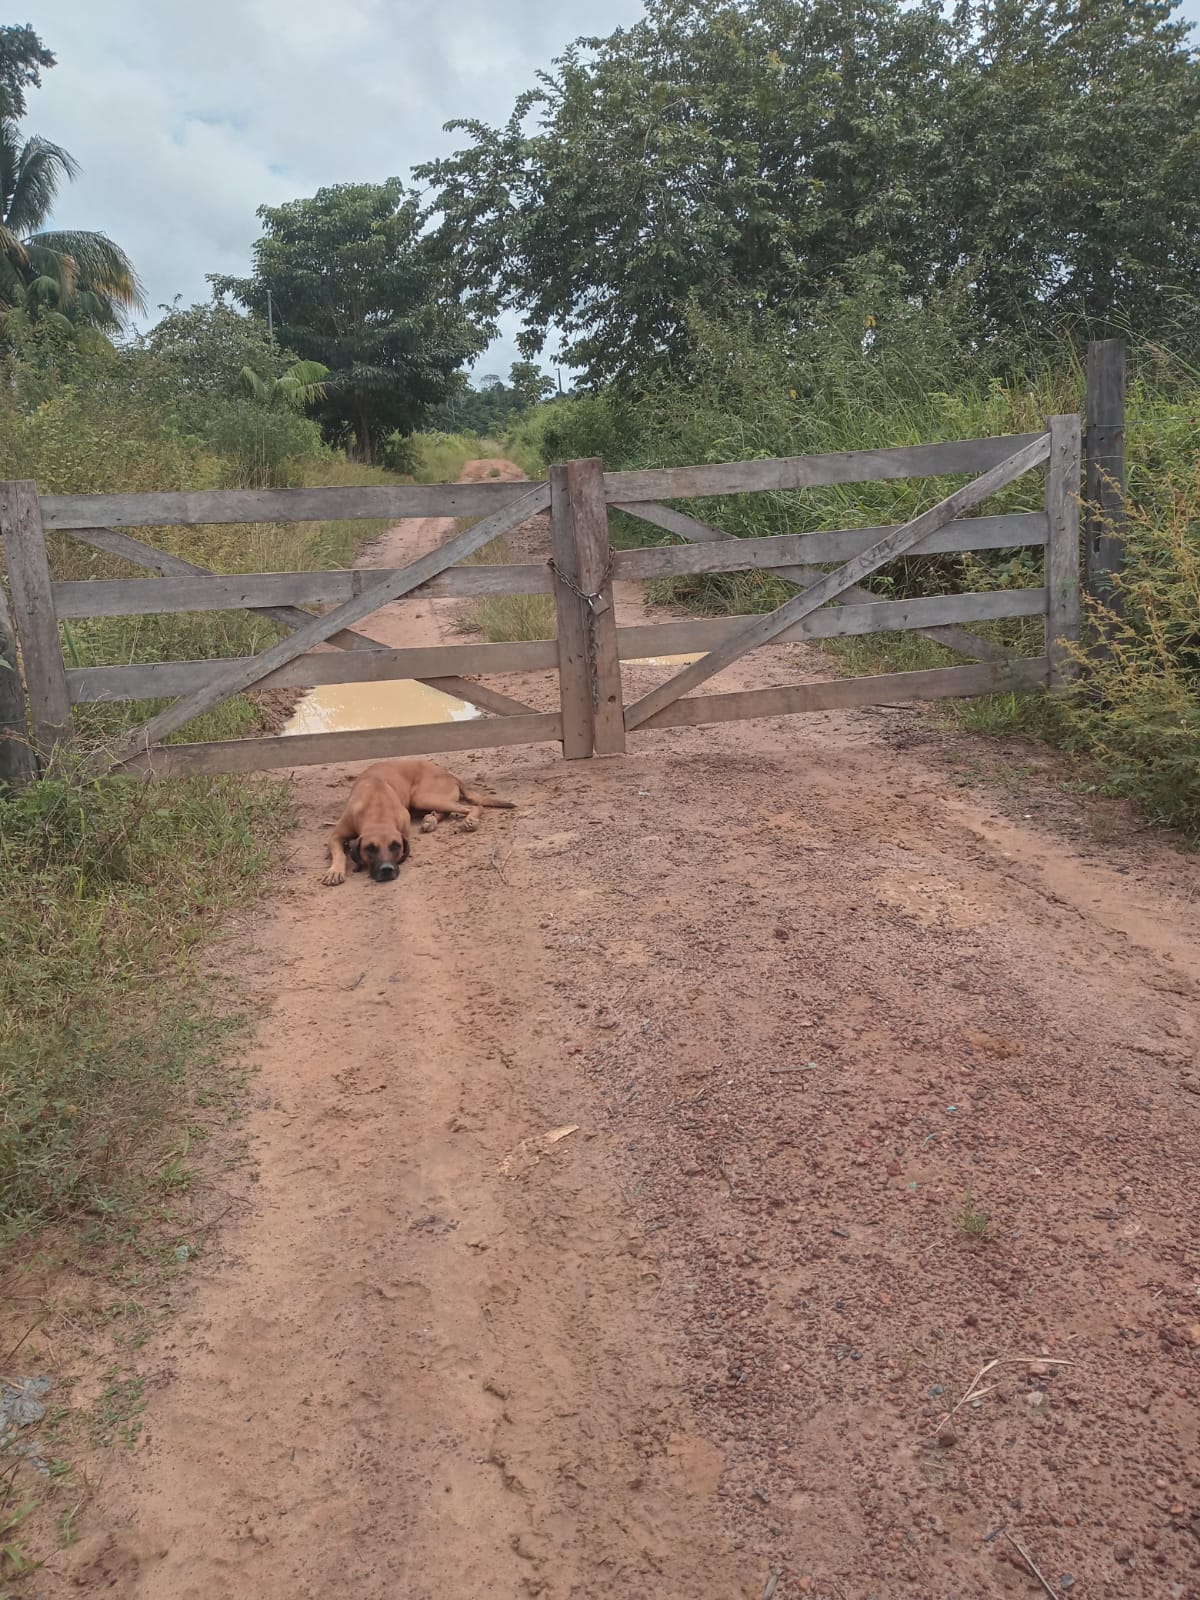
(37, 174)
(98, 264)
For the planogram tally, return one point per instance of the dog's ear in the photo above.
(405, 847)
(354, 853)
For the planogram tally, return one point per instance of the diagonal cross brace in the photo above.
(761, 630)
(120, 544)
(244, 674)
(948, 634)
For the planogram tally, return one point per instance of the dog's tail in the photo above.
(488, 801)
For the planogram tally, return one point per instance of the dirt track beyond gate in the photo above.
(762, 1165)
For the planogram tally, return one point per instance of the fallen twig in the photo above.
(1030, 1563)
(772, 1583)
(973, 1392)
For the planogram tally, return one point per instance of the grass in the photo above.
(112, 890)
(973, 1220)
(504, 617)
(441, 457)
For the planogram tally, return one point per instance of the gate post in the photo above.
(1062, 548)
(37, 623)
(589, 665)
(16, 753)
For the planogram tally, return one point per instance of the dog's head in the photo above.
(379, 853)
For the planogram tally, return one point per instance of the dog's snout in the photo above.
(386, 872)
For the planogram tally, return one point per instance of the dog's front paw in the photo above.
(468, 825)
(332, 878)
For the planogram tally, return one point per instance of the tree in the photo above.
(204, 349)
(529, 382)
(71, 277)
(727, 156)
(22, 57)
(738, 157)
(355, 289)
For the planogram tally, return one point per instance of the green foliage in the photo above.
(68, 278)
(110, 890)
(491, 405)
(354, 288)
(22, 58)
(574, 427)
(439, 457)
(1037, 159)
(1135, 709)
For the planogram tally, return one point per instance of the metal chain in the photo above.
(589, 601)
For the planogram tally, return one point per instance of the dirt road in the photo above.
(879, 1067)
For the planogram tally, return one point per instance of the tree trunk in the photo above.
(366, 443)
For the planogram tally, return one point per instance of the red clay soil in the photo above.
(873, 1253)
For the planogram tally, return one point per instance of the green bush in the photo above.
(110, 888)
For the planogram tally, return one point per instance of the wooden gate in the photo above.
(589, 648)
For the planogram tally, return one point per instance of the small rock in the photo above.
(946, 1436)
(1194, 1334)
(971, 1319)
(1067, 1581)
(1123, 1550)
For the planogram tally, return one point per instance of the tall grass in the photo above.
(111, 889)
(503, 617)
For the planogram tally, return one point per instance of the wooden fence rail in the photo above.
(592, 716)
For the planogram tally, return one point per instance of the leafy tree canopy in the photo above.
(1038, 157)
(354, 288)
(22, 57)
(491, 405)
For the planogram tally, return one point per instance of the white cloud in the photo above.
(186, 118)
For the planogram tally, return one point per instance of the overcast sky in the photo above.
(187, 115)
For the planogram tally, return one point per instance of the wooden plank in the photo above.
(809, 472)
(1105, 491)
(1062, 552)
(574, 675)
(263, 591)
(290, 616)
(435, 664)
(878, 616)
(342, 504)
(267, 591)
(162, 561)
(159, 680)
(785, 549)
(837, 545)
(242, 675)
(36, 621)
(594, 557)
(938, 683)
(17, 764)
(367, 744)
(761, 630)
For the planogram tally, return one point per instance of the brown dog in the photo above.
(375, 825)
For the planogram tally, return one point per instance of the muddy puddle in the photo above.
(400, 703)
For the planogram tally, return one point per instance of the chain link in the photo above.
(589, 601)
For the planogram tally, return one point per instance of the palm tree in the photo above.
(72, 277)
(303, 384)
